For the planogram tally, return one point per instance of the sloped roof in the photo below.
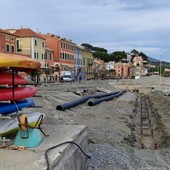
(48, 49)
(6, 32)
(26, 32)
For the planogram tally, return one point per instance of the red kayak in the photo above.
(19, 93)
(6, 78)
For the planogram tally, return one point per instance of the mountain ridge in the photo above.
(153, 60)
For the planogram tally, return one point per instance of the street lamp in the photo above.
(160, 81)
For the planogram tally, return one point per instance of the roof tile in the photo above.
(26, 32)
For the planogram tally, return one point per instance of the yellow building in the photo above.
(88, 60)
(30, 43)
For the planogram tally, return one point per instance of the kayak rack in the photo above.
(36, 107)
(5, 117)
(5, 101)
(37, 96)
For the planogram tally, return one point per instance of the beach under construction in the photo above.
(127, 131)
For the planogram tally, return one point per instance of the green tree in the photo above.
(87, 46)
(90, 47)
(99, 49)
(135, 52)
(35, 76)
(48, 72)
(143, 55)
(118, 56)
(102, 55)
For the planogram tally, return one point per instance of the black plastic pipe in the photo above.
(97, 101)
(73, 103)
(104, 94)
(82, 100)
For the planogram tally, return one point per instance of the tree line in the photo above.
(102, 53)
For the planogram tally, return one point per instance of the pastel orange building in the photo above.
(7, 42)
(53, 43)
(49, 57)
(63, 51)
(67, 55)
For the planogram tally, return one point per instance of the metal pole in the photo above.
(13, 82)
(160, 70)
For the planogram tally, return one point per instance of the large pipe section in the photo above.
(107, 98)
(82, 100)
(73, 103)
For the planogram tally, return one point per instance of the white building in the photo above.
(110, 65)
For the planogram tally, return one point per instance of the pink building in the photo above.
(118, 70)
(124, 70)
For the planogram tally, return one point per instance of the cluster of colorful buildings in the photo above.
(60, 54)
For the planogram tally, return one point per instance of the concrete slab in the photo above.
(61, 158)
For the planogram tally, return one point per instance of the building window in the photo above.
(42, 55)
(7, 48)
(12, 39)
(45, 56)
(35, 42)
(43, 44)
(35, 55)
(12, 49)
(19, 47)
(50, 56)
(7, 38)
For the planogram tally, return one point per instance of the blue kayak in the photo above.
(7, 108)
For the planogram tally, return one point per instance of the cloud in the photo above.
(111, 24)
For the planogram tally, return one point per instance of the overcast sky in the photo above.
(115, 25)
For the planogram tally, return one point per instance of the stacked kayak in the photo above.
(6, 79)
(14, 106)
(18, 62)
(8, 94)
(15, 94)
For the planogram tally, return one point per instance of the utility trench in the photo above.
(149, 130)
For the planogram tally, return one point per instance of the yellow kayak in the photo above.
(18, 62)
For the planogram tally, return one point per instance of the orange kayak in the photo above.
(18, 62)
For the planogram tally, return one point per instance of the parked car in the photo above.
(67, 78)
